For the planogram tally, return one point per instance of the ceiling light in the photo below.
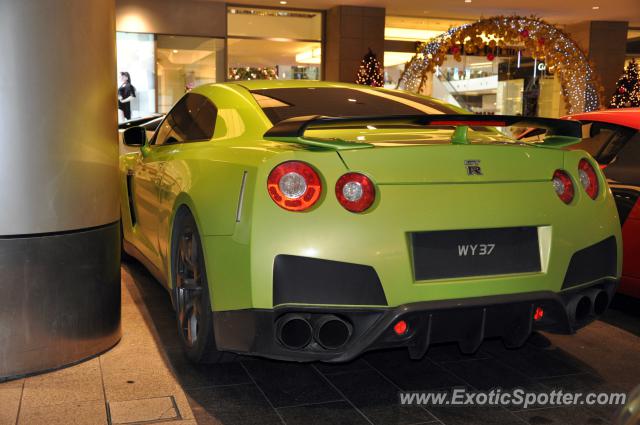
(352, 100)
(596, 7)
(467, 1)
(313, 56)
(175, 51)
(283, 2)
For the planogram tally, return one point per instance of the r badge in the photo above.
(473, 167)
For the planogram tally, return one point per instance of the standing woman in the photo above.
(126, 93)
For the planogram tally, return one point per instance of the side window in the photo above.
(192, 119)
(205, 122)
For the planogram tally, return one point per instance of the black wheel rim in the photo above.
(189, 286)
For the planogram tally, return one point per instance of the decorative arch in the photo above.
(533, 37)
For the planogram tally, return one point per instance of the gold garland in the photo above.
(533, 37)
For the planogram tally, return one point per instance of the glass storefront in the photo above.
(184, 63)
(262, 43)
(136, 55)
(274, 44)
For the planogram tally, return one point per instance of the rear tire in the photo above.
(190, 293)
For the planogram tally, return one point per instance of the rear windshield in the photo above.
(282, 103)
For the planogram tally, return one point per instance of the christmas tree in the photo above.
(370, 72)
(627, 93)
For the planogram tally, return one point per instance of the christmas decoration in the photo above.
(627, 88)
(581, 89)
(370, 72)
(249, 73)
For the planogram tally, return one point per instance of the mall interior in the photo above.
(172, 250)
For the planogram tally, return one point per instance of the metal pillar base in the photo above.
(59, 298)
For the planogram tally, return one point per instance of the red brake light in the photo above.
(355, 192)
(294, 186)
(563, 186)
(588, 178)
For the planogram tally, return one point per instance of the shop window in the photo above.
(185, 63)
(292, 51)
(136, 56)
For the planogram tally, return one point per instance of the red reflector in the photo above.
(538, 314)
(477, 123)
(400, 328)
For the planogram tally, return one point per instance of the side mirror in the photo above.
(135, 136)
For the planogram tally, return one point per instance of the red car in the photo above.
(612, 137)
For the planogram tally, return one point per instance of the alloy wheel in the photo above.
(189, 286)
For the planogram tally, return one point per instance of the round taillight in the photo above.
(355, 192)
(294, 186)
(588, 178)
(563, 186)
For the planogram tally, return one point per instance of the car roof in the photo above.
(628, 117)
(291, 84)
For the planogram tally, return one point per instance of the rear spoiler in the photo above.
(560, 133)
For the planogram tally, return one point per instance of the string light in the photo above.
(627, 93)
(581, 87)
(370, 72)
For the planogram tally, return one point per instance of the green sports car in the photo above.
(315, 221)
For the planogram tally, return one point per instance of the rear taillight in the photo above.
(355, 192)
(563, 186)
(588, 178)
(294, 186)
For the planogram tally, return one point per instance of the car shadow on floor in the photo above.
(365, 391)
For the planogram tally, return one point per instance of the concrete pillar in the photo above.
(605, 43)
(59, 226)
(351, 31)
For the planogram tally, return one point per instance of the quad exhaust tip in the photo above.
(294, 331)
(591, 304)
(583, 308)
(600, 302)
(331, 332)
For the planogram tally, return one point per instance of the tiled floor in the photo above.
(146, 376)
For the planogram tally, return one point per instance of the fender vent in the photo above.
(132, 211)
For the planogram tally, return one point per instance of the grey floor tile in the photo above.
(352, 366)
(477, 415)
(290, 384)
(412, 375)
(192, 375)
(533, 361)
(377, 398)
(576, 382)
(335, 413)
(231, 405)
(561, 416)
(451, 353)
(491, 373)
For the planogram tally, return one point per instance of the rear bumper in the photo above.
(466, 321)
